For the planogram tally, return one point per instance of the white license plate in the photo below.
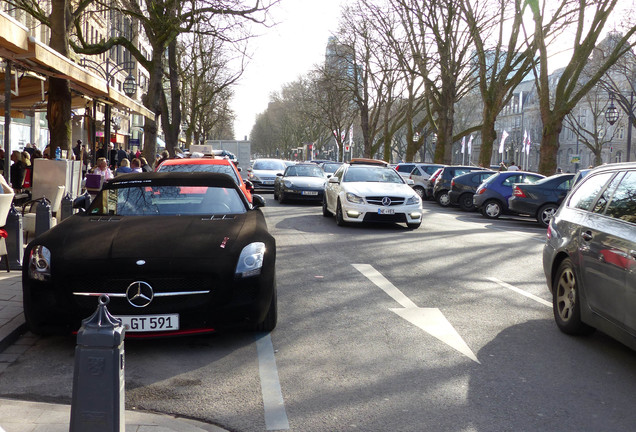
(386, 211)
(268, 182)
(310, 192)
(150, 323)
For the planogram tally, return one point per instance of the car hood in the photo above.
(164, 238)
(377, 189)
(306, 181)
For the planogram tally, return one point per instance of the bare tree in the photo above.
(587, 18)
(595, 134)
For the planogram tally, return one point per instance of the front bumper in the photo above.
(304, 194)
(359, 213)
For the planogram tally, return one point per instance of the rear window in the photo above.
(586, 194)
(405, 168)
(223, 169)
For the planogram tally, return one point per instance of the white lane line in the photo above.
(431, 320)
(275, 414)
(520, 291)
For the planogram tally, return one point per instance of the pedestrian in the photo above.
(17, 170)
(123, 168)
(513, 167)
(559, 171)
(103, 170)
(112, 156)
(121, 155)
(145, 166)
(135, 165)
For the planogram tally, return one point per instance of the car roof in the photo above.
(365, 161)
(198, 161)
(613, 167)
(172, 179)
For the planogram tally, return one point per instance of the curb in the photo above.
(11, 331)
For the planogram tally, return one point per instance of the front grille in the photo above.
(394, 218)
(377, 200)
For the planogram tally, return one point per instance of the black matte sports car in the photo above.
(177, 253)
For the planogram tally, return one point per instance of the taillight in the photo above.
(518, 192)
(481, 190)
(452, 183)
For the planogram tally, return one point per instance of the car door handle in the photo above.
(587, 235)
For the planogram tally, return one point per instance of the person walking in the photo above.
(513, 167)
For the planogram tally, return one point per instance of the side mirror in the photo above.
(249, 185)
(334, 180)
(258, 201)
(279, 174)
(410, 182)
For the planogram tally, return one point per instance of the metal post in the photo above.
(98, 379)
(7, 121)
(107, 133)
(576, 164)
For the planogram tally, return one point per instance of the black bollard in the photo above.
(66, 206)
(15, 239)
(98, 379)
(42, 216)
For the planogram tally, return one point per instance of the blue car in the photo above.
(491, 197)
(542, 199)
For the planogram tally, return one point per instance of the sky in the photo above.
(282, 54)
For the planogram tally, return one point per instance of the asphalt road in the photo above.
(444, 328)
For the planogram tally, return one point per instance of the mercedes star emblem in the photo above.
(386, 201)
(139, 294)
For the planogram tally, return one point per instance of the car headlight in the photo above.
(40, 263)
(354, 198)
(250, 261)
(415, 199)
(288, 184)
(252, 176)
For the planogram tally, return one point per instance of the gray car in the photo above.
(589, 258)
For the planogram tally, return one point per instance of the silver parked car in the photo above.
(589, 258)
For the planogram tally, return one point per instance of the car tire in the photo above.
(339, 217)
(545, 214)
(281, 197)
(420, 191)
(275, 195)
(443, 199)
(466, 202)
(491, 209)
(325, 210)
(31, 311)
(271, 319)
(413, 226)
(566, 303)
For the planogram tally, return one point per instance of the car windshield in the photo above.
(269, 165)
(372, 174)
(215, 168)
(330, 167)
(168, 200)
(304, 171)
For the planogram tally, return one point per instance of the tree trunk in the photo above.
(151, 101)
(488, 137)
(549, 145)
(58, 108)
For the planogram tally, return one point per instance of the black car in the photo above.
(300, 182)
(541, 199)
(589, 258)
(463, 188)
(442, 185)
(177, 253)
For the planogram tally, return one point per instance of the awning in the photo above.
(37, 62)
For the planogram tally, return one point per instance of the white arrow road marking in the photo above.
(431, 320)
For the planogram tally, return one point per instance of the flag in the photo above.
(351, 136)
(463, 144)
(527, 143)
(504, 135)
(470, 143)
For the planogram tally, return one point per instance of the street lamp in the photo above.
(108, 70)
(611, 115)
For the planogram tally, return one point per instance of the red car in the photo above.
(208, 164)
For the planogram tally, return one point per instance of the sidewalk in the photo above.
(23, 416)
